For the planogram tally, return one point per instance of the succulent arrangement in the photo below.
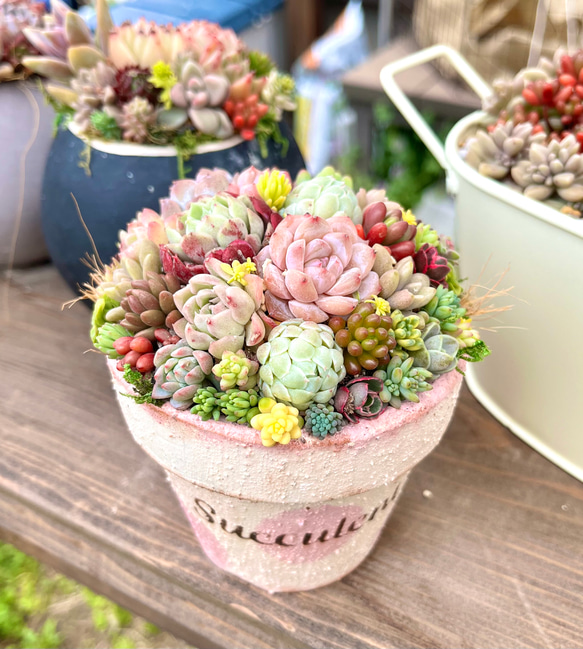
(15, 17)
(533, 138)
(155, 84)
(270, 304)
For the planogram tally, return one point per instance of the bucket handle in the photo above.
(411, 114)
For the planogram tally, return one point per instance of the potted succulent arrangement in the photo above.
(516, 170)
(25, 138)
(142, 104)
(287, 352)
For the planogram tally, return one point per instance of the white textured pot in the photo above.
(26, 125)
(292, 517)
(532, 383)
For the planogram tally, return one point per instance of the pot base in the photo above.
(287, 548)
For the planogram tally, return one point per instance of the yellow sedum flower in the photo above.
(278, 423)
(382, 307)
(163, 78)
(409, 217)
(273, 187)
(238, 270)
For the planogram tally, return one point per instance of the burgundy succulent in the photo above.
(383, 223)
(359, 399)
(133, 82)
(429, 262)
(238, 250)
(184, 270)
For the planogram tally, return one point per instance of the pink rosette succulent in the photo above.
(245, 182)
(216, 49)
(183, 193)
(312, 267)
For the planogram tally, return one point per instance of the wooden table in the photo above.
(485, 548)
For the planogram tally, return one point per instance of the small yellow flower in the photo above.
(273, 187)
(382, 307)
(409, 217)
(163, 78)
(278, 423)
(238, 270)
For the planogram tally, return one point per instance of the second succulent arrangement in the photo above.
(281, 306)
(154, 84)
(534, 138)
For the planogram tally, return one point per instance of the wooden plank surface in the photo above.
(485, 547)
(423, 84)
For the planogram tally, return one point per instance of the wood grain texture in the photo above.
(493, 558)
(423, 84)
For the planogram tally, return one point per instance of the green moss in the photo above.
(142, 385)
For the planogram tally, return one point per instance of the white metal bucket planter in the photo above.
(533, 382)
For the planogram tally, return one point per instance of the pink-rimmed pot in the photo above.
(293, 517)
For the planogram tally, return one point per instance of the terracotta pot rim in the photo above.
(351, 435)
(131, 149)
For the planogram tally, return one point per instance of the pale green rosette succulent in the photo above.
(439, 354)
(218, 221)
(323, 196)
(300, 364)
(402, 381)
(180, 372)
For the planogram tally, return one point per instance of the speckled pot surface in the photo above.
(125, 179)
(293, 517)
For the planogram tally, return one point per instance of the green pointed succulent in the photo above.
(108, 333)
(445, 306)
(439, 354)
(321, 419)
(206, 403)
(402, 381)
(235, 369)
(239, 406)
(101, 308)
(324, 196)
(425, 234)
(407, 330)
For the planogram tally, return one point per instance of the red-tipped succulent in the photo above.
(429, 262)
(184, 270)
(238, 250)
(383, 223)
(360, 399)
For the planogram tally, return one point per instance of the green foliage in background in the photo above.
(24, 594)
(26, 591)
(400, 162)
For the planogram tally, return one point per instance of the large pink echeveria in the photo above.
(314, 268)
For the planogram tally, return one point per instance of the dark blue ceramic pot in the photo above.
(125, 179)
